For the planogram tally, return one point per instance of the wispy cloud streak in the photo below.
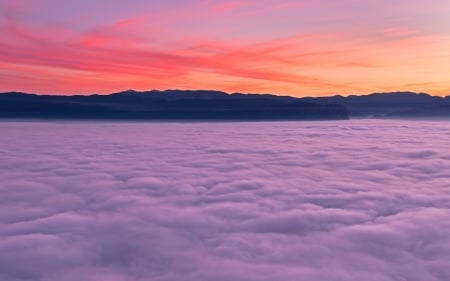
(283, 47)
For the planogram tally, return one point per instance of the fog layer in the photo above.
(349, 200)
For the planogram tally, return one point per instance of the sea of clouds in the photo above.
(341, 201)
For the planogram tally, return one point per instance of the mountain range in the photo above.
(216, 105)
(390, 105)
(167, 105)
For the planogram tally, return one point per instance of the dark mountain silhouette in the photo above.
(390, 105)
(427, 111)
(216, 105)
(170, 105)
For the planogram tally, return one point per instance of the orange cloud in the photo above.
(115, 56)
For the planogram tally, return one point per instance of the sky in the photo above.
(299, 48)
(359, 200)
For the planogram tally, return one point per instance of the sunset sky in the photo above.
(294, 47)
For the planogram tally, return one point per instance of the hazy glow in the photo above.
(280, 46)
(357, 200)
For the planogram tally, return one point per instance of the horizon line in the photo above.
(220, 91)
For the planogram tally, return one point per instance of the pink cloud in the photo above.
(193, 46)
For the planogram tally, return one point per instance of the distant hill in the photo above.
(216, 105)
(168, 105)
(390, 105)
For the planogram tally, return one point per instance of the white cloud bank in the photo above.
(341, 201)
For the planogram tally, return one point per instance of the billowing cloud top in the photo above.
(359, 200)
(295, 47)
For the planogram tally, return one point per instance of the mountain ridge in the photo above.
(246, 106)
(169, 104)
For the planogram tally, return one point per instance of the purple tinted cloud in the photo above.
(358, 200)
